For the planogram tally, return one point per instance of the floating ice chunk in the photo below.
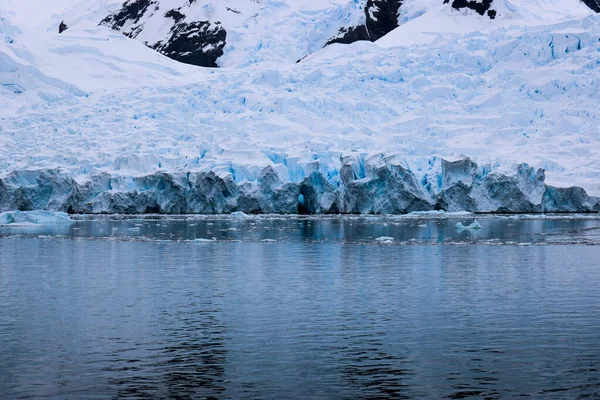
(268, 240)
(385, 239)
(203, 240)
(239, 215)
(474, 225)
(33, 218)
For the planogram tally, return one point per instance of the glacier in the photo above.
(450, 111)
(389, 189)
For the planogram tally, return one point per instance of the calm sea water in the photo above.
(324, 308)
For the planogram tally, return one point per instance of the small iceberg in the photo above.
(239, 215)
(474, 225)
(204, 240)
(34, 218)
(385, 239)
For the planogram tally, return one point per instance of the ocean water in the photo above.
(301, 308)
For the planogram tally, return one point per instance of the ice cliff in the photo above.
(387, 189)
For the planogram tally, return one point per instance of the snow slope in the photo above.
(39, 67)
(521, 88)
(20, 80)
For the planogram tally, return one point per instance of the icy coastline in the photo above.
(389, 189)
(93, 122)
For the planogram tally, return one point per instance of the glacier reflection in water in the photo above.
(419, 228)
(325, 311)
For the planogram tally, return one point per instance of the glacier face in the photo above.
(388, 189)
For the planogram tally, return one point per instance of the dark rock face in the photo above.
(198, 42)
(132, 11)
(389, 189)
(62, 27)
(175, 14)
(481, 7)
(188, 43)
(593, 4)
(381, 18)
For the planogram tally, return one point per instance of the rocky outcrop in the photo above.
(381, 18)
(389, 189)
(482, 7)
(192, 42)
(485, 7)
(130, 14)
(198, 43)
(593, 4)
(62, 27)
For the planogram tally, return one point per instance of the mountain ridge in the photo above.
(196, 32)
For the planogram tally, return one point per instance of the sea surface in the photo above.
(241, 307)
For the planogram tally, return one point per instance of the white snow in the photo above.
(521, 88)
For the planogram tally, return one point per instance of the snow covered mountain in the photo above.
(398, 106)
(200, 32)
(211, 33)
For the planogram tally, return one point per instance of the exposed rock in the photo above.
(198, 43)
(62, 27)
(175, 14)
(381, 18)
(130, 13)
(480, 6)
(195, 42)
(593, 4)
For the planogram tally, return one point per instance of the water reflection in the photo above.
(321, 313)
(404, 230)
(188, 364)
